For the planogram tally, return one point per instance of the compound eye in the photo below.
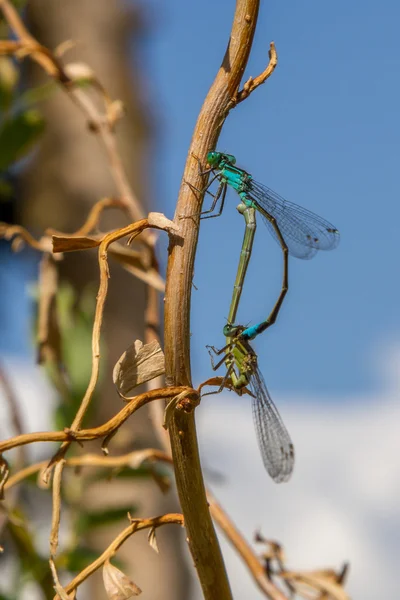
(212, 158)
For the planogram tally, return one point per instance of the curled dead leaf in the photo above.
(79, 72)
(151, 538)
(64, 47)
(117, 585)
(138, 364)
(115, 111)
(321, 582)
(71, 243)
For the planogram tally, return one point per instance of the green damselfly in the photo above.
(276, 447)
(298, 231)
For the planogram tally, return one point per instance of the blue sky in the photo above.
(323, 132)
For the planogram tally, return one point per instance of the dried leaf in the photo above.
(151, 538)
(133, 262)
(273, 550)
(139, 457)
(320, 581)
(170, 408)
(169, 411)
(137, 365)
(117, 585)
(4, 474)
(65, 47)
(161, 222)
(126, 255)
(150, 277)
(57, 585)
(71, 244)
(80, 72)
(115, 111)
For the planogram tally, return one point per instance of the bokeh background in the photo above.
(323, 132)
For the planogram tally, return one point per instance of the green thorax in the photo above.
(243, 358)
(224, 166)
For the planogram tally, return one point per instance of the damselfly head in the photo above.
(214, 159)
(232, 331)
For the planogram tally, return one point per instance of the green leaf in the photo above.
(76, 316)
(88, 521)
(119, 473)
(6, 193)
(78, 559)
(17, 136)
(40, 93)
(9, 76)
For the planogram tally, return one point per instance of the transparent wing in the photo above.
(303, 231)
(275, 444)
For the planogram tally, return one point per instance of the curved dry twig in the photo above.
(131, 459)
(252, 84)
(249, 557)
(136, 525)
(82, 435)
(108, 239)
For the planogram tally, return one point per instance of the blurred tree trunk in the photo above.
(68, 175)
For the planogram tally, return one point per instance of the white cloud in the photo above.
(35, 401)
(342, 503)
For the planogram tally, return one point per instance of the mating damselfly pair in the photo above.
(300, 233)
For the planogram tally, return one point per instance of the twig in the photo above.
(244, 549)
(136, 525)
(92, 218)
(21, 234)
(56, 509)
(202, 540)
(135, 458)
(108, 239)
(104, 430)
(251, 84)
(152, 332)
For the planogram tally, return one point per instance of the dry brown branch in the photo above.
(317, 582)
(56, 507)
(92, 218)
(102, 124)
(250, 559)
(104, 430)
(136, 525)
(136, 458)
(252, 84)
(132, 459)
(202, 539)
(108, 239)
(20, 234)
